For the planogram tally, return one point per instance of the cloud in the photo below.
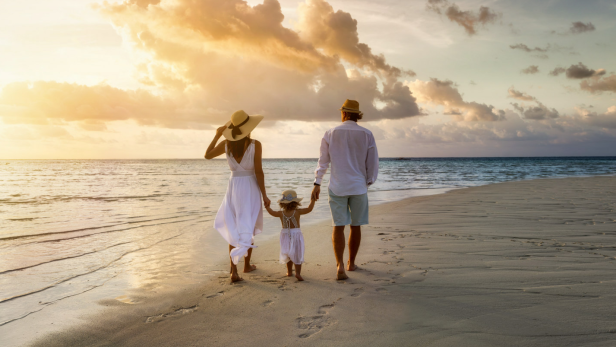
(467, 19)
(446, 94)
(602, 120)
(537, 112)
(557, 71)
(525, 48)
(599, 84)
(579, 27)
(520, 95)
(533, 69)
(199, 61)
(580, 71)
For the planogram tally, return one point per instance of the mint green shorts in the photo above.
(349, 209)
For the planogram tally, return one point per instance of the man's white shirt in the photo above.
(351, 150)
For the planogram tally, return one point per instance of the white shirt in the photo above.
(351, 150)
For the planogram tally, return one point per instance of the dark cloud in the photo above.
(469, 20)
(580, 71)
(533, 69)
(599, 84)
(579, 27)
(520, 95)
(557, 71)
(538, 112)
(525, 48)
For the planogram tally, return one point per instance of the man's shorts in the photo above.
(349, 209)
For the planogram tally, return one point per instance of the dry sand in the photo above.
(528, 263)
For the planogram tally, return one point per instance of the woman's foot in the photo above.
(249, 268)
(236, 278)
(299, 278)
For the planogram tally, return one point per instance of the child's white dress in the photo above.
(291, 241)
(240, 216)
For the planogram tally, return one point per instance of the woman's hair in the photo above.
(236, 148)
(290, 206)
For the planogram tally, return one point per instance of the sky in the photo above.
(434, 78)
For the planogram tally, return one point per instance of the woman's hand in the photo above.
(220, 130)
(267, 202)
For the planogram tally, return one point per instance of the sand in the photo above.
(528, 263)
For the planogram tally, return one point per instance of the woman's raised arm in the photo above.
(213, 151)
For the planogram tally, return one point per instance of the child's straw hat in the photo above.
(289, 196)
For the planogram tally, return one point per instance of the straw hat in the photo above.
(289, 196)
(240, 125)
(351, 106)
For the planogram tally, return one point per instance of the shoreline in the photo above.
(317, 310)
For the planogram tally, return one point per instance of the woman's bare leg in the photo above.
(289, 268)
(247, 266)
(298, 271)
(235, 277)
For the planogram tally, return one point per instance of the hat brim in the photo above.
(246, 128)
(352, 111)
(281, 201)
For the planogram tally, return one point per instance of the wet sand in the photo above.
(530, 263)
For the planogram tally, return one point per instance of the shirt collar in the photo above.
(349, 122)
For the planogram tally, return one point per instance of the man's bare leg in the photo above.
(339, 244)
(289, 268)
(247, 266)
(235, 277)
(354, 241)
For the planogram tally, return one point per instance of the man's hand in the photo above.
(315, 193)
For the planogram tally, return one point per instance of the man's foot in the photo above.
(250, 268)
(351, 267)
(341, 276)
(299, 278)
(236, 278)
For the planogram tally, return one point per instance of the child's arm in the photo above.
(307, 209)
(273, 213)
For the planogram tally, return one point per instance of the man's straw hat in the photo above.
(352, 106)
(288, 196)
(240, 125)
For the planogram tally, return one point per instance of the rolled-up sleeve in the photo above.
(324, 160)
(372, 161)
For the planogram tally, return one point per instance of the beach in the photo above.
(525, 263)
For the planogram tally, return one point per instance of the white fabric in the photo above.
(351, 149)
(291, 246)
(240, 216)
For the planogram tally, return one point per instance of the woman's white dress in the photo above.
(240, 216)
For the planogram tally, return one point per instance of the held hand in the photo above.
(315, 193)
(266, 201)
(220, 130)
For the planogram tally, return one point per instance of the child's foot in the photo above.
(250, 268)
(299, 278)
(236, 278)
(289, 274)
(351, 267)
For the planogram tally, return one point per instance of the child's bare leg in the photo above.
(289, 268)
(298, 271)
(247, 266)
(235, 277)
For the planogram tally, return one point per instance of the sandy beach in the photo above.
(527, 263)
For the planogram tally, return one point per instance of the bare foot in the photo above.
(299, 278)
(341, 276)
(289, 274)
(250, 268)
(351, 267)
(236, 278)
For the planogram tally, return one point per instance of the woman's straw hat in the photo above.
(289, 196)
(352, 106)
(240, 125)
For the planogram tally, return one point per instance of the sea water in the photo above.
(94, 229)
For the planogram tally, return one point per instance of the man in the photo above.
(352, 152)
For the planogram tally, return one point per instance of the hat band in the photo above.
(235, 129)
(350, 109)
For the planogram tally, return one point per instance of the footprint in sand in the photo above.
(357, 292)
(314, 324)
(179, 312)
(381, 290)
(267, 303)
(210, 296)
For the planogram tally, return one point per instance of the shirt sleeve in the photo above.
(372, 161)
(324, 160)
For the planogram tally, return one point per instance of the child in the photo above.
(291, 238)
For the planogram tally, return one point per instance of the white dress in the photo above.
(240, 216)
(291, 241)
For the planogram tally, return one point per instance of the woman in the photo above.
(240, 216)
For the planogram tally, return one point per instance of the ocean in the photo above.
(88, 230)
